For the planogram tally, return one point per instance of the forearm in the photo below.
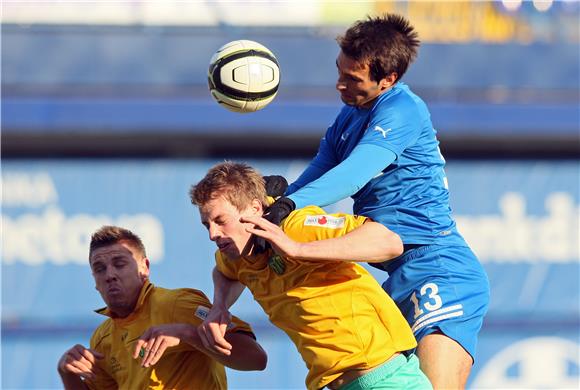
(372, 242)
(317, 167)
(246, 354)
(226, 291)
(345, 179)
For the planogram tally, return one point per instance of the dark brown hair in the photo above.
(387, 43)
(110, 235)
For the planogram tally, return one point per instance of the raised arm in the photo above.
(371, 242)
(347, 178)
(225, 291)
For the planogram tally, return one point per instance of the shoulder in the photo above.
(164, 296)
(313, 223)
(343, 116)
(400, 102)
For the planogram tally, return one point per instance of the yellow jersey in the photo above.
(335, 312)
(181, 367)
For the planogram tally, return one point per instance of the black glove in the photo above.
(275, 185)
(279, 210)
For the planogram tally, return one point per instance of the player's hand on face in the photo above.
(282, 244)
(279, 210)
(155, 341)
(80, 361)
(213, 330)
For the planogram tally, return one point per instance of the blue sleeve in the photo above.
(320, 164)
(347, 178)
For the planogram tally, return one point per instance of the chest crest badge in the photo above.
(277, 264)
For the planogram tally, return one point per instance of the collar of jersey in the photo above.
(145, 291)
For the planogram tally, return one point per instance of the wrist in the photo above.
(189, 335)
(300, 249)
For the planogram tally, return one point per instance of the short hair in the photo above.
(111, 235)
(387, 43)
(239, 183)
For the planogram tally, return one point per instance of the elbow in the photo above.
(261, 361)
(397, 249)
(258, 360)
(393, 246)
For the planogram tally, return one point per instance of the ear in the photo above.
(256, 207)
(144, 271)
(388, 81)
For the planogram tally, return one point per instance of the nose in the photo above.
(340, 85)
(214, 233)
(110, 274)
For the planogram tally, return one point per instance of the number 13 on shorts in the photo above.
(429, 307)
(430, 290)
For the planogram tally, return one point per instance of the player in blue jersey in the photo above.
(382, 150)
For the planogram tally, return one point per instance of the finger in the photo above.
(218, 331)
(139, 346)
(153, 351)
(221, 345)
(80, 368)
(88, 355)
(147, 350)
(77, 356)
(209, 343)
(259, 232)
(97, 354)
(258, 221)
(156, 355)
(203, 337)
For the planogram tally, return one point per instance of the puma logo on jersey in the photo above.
(383, 131)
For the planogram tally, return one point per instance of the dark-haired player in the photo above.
(382, 150)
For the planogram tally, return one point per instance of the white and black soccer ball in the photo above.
(243, 76)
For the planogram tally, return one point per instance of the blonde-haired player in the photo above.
(348, 331)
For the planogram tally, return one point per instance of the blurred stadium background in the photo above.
(106, 118)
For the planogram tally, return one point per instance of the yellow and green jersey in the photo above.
(335, 312)
(181, 367)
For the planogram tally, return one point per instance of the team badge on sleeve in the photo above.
(201, 312)
(327, 221)
(276, 262)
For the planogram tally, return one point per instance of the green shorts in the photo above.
(402, 372)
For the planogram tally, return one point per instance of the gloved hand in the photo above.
(279, 210)
(275, 185)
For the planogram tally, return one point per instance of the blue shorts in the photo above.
(440, 288)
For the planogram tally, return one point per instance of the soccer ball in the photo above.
(243, 76)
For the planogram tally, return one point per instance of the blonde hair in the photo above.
(239, 183)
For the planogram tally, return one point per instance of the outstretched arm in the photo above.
(246, 353)
(213, 329)
(347, 178)
(372, 242)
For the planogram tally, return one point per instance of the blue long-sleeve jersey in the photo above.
(388, 159)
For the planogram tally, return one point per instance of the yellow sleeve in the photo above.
(195, 302)
(311, 223)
